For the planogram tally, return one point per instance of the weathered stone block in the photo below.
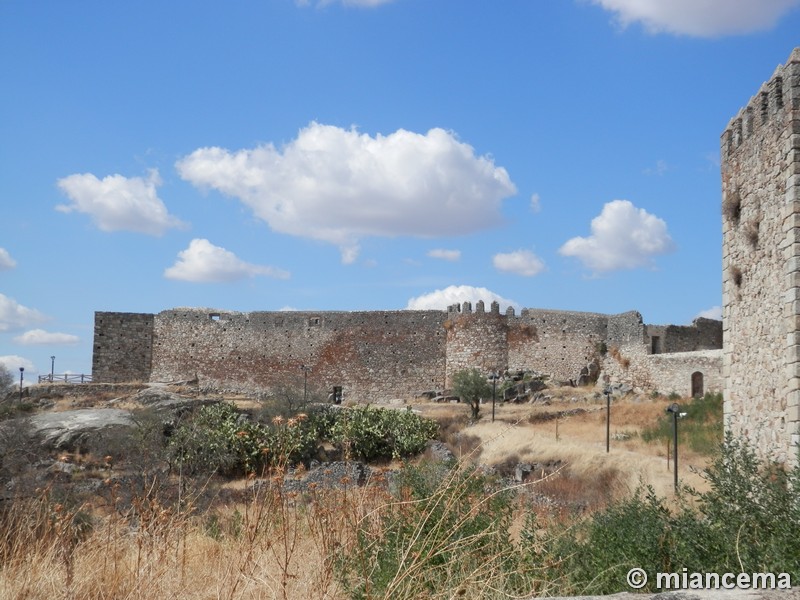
(792, 294)
(791, 310)
(792, 354)
(793, 370)
(790, 207)
(792, 221)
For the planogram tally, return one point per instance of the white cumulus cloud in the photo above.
(536, 203)
(338, 185)
(117, 203)
(6, 262)
(203, 262)
(715, 312)
(623, 237)
(700, 18)
(12, 363)
(14, 316)
(659, 169)
(40, 337)
(457, 294)
(519, 262)
(443, 254)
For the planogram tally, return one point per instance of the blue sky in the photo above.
(365, 155)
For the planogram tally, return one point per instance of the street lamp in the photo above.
(494, 377)
(52, 367)
(676, 412)
(608, 418)
(21, 371)
(305, 370)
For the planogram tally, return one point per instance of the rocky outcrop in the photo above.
(68, 429)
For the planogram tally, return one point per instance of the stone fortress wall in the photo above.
(123, 347)
(379, 355)
(760, 152)
(382, 355)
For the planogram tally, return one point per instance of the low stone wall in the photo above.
(680, 372)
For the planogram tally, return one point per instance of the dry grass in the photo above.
(270, 545)
(579, 440)
(266, 543)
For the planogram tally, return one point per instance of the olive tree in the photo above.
(471, 386)
(6, 381)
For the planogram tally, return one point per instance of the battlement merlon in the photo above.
(778, 96)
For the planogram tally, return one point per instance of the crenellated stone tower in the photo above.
(475, 339)
(760, 152)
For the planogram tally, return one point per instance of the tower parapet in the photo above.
(476, 340)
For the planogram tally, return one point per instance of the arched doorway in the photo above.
(697, 384)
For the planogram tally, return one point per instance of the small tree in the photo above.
(470, 385)
(6, 381)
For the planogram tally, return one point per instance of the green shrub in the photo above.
(369, 433)
(446, 536)
(701, 429)
(748, 521)
(752, 513)
(595, 556)
(219, 439)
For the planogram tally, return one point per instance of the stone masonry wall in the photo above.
(476, 340)
(123, 347)
(666, 373)
(374, 356)
(702, 334)
(761, 266)
(674, 372)
(557, 343)
(370, 354)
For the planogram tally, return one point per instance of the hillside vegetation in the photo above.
(233, 502)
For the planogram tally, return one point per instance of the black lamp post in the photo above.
(676, 412)
(52, 367)
(305, 370)
(608, 419)
(494, 378)
(21, 371)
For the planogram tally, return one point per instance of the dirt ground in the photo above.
(572, 429)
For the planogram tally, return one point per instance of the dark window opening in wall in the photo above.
(313, 321)
(655, 344)
(337, 394)
(214, 316)
(697, 384)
